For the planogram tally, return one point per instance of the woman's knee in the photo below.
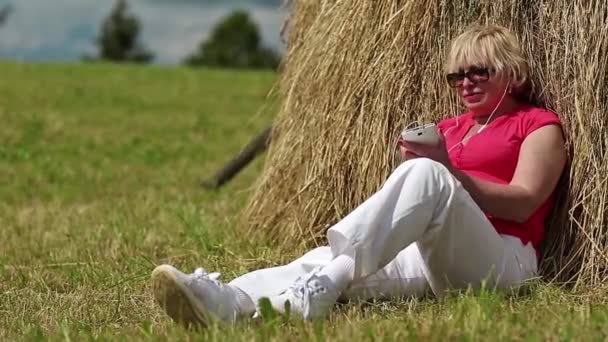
(423, 166)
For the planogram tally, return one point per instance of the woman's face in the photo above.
(479, 88)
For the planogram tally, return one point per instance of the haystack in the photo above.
(357, 72)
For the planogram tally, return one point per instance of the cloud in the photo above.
(38, 29)
(273, 4)
(174, 32)
(172, 29)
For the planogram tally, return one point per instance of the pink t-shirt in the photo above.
(492, 155)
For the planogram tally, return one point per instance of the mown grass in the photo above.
(99, 181)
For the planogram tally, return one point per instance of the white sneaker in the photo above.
(309, 296)
(194, 299)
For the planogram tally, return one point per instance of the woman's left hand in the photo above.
(438, 153)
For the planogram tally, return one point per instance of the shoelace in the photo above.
(302, 289)
(202, 275)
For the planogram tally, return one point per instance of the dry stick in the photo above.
(234, 166)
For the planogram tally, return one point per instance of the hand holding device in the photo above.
(425, 134)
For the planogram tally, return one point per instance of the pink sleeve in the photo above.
(442, 125)
(539, 118)
(445, 124)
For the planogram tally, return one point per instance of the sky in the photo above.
(64, 30)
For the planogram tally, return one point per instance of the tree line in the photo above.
(234, 42)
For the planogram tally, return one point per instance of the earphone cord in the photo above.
(485, 124)
(406, 127)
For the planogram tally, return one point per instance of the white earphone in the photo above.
(507, 89)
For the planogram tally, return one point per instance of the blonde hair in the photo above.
(490, 46)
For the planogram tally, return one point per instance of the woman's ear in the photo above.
(516, 84)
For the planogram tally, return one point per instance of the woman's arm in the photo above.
(541, 161)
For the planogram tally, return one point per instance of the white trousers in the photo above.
(420, 231)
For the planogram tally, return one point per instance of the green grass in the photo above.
(99, 174)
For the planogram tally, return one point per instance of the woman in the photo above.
(469, 210)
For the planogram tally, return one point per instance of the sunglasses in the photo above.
(474, 74)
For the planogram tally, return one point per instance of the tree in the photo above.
(118, 39)
(4, 12)
(235, 42)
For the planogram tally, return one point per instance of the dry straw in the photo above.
(356, 72)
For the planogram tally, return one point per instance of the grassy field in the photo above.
(99, 172)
